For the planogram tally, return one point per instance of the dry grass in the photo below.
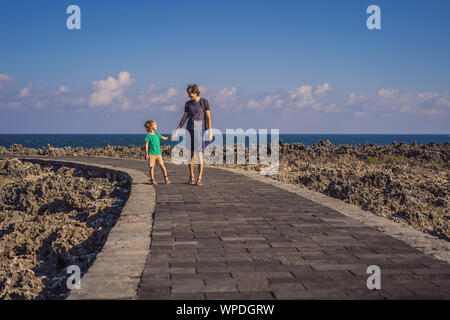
(4, 181)
(33, 177)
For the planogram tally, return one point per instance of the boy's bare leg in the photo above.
(163, 169)
(149, 169)
(152, 172)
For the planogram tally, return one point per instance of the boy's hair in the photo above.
(193, 88)
(149, 124)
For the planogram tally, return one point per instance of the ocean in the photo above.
(100, 140)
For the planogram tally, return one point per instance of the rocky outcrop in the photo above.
(50, 218)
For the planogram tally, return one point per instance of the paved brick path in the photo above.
(237, 238)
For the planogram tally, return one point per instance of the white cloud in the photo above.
(171, 108)
(273, 100)
(443, 101)
(306, 97)
(63, 89)
(323, 89)
(42, 97)
(389, 93)
(5, 79)
(203, 89)
(226, 95)
(304, 92)
(229, 98)
(157, 98)
(225, 98)
(111, 91)
(25, 91)
(388, 101)
(333, 107)
(269, 100)
(252, 104)
(164, 96)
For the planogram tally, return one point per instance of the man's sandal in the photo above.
(199, 182)
(166, 179)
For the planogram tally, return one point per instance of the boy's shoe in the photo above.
(153, 182)
(166, 179)
(199, 182)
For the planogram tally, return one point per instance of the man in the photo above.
(196, 110)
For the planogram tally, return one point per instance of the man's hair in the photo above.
(149, 124)
(193, 88)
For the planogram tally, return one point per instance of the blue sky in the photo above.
(300, 66)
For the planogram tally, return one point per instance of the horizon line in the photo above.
(139, 133)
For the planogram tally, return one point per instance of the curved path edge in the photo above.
(428, 244)
(118, 267)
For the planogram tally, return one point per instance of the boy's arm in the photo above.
(165, 138)
(146, 148)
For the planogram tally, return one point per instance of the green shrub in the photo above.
(394, 158)
(374, 160)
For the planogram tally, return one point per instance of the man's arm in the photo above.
(208, 118)
(183, 120)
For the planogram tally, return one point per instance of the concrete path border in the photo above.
(426, 243)
(118, 267)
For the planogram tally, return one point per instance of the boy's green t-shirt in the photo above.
(153, 143)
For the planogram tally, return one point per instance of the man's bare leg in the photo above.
(191, 168)
(200, 165)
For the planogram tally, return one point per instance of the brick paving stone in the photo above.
(187, 296)
(153, 293)
(221, 287)
(287, 286)
(264, 295)
(158, 276)
(188, 288)
(214, 275)
(294, 294)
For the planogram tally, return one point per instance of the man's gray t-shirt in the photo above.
(195, 112)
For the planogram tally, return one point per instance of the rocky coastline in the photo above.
(405, 183)
(52, 217)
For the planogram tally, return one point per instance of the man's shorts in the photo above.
(156, 158)
(197, 142)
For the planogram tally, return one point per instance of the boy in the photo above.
(153, 150)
